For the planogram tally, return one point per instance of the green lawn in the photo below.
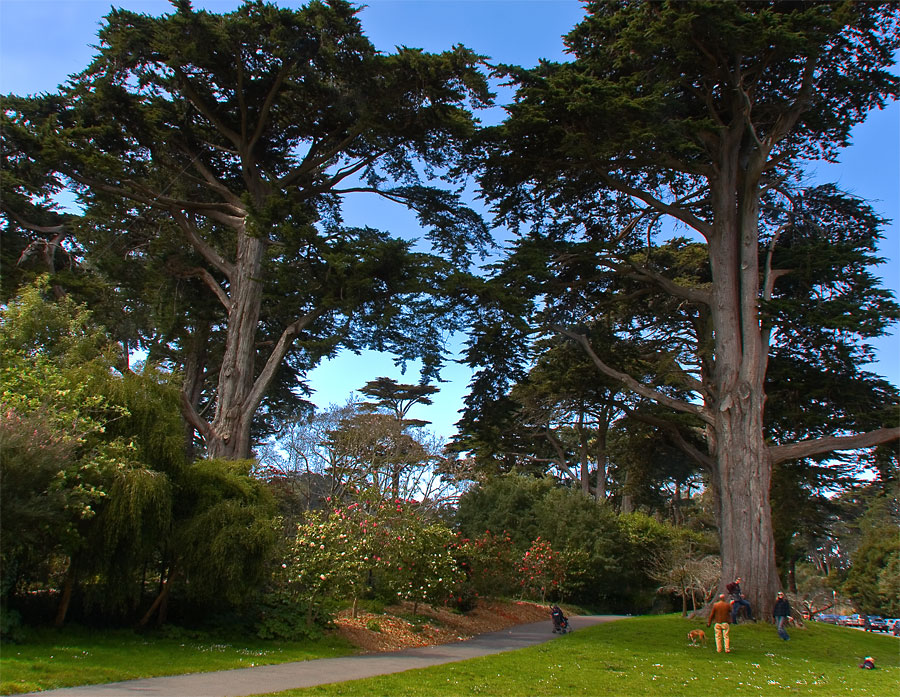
(49, 659)
(651, 656)
(637, 656)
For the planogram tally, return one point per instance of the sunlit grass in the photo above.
(49, 659)
(636, 656)
(651, 656)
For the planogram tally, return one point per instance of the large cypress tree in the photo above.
(221, 147)
(702, 113)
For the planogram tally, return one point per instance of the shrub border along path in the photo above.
(285, 676)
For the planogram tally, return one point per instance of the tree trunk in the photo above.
(192, 385)
(627, 504)
(583, 458)
(741, 471)
(66, 595)
(600, 450)
(229, 433)
(742, 477)
(676, 505)
(395, 481)
(792, 574)
(159, 603)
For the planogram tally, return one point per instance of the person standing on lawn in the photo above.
(721, 614)
(781, 612)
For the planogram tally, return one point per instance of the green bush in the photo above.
(601, 559)
(285, 620)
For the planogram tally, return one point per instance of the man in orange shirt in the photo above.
(721, 614)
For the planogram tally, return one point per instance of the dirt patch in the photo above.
(391, 631)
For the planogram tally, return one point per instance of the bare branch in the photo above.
(278, 353)
(667, 208)
(818, 446)
(199, 244)
(634, 385)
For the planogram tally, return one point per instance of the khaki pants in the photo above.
(722, 635)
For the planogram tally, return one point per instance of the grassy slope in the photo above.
(651, 656)
(49, 659)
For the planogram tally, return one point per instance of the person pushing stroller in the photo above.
(560, 621)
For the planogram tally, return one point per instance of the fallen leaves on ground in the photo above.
(391, 632)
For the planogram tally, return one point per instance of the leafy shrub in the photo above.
(283, 619)
(598, 557)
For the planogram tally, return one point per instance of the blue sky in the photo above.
(43, 41)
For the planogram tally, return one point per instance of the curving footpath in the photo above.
(286, 676)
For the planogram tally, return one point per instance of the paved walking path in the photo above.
(285, 676)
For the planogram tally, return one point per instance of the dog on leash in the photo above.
(697, 637)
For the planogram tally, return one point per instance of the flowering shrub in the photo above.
(363, 547)
(542, 570)
(423, 567)
(490, 561)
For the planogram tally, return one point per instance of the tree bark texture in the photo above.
(741, 481)
(229, 432)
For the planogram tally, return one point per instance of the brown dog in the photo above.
(697, 636)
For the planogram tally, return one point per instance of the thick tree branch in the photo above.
(203, 108)
(703, 459)
(214, 182)
(222, 212)
(788, 118)
(316, 158)
(694, 295)
(278, 353)
(560, 460)
(634, 385)
(200, 245)
(263, 117)
(33, 227)
(212, 284)
(669, 209)
(817, 446)
(192, 417)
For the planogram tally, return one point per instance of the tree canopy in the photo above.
(700, 115)
(217, 149)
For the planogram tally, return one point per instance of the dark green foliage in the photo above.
(872, 581)
(212, 201)
(284, 620)
(97, 490)
(607, 555)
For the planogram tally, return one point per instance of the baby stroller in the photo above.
(560, 621)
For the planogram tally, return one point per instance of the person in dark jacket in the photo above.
(781, 612)
(738, 600)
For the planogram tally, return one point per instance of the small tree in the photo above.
(683, 572)
(492, 559)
